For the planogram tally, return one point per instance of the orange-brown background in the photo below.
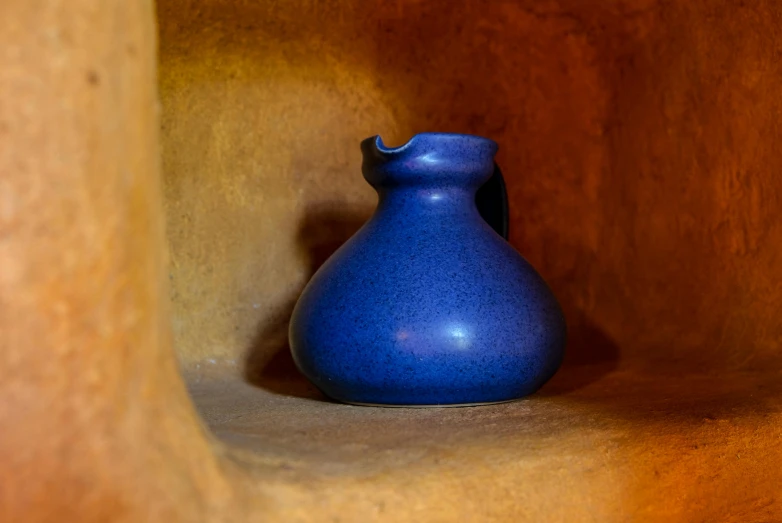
(639, 139)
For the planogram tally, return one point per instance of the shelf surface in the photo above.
(590, 446)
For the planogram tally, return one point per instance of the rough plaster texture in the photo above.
(639, 140)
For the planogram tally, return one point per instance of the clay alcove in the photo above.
(639, 142)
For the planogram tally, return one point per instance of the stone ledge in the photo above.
(627, 446)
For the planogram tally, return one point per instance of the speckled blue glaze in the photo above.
(426, 304)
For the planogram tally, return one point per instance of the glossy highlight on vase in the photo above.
(426, 304)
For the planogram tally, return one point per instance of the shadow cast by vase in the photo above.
(268, 361)
(590, 354)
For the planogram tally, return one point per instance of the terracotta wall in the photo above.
(95, 425)
(639, 139)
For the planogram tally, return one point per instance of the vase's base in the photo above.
(433, 406)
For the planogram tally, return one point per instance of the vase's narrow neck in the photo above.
(428, 200)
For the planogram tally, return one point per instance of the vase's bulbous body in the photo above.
(426, 304)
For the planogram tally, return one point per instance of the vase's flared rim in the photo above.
(429, 159)
(431, 139)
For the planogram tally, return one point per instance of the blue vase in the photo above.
(426, 304)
